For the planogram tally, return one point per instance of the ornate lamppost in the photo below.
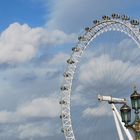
(126, 114)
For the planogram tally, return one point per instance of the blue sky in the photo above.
(31, 12)
(36, 37)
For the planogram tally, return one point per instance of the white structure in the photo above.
(114, 23)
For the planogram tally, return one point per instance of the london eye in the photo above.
(115, 22)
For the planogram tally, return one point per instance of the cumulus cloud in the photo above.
(19, 43)
(21, 123)
(58, 59)
(97, 111)
(32, 130)
(40, 107)
(8, 117)
(56, 37)
(102, 110)
(37, 108)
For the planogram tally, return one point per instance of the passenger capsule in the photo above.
(75, 49)
(115, 16)
(64, 88)
(66, 74)
(62, 130)
(70, 61)
(66, 130)
(62, 102)
(81, 38)
(105, 17)
(134, 22)
(87, 29)
(96, 22)
(125, 17)
(61, 116)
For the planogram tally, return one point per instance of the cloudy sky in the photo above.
(36, 37)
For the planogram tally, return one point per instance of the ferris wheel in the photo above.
(116, 22)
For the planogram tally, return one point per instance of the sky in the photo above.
(36, 37)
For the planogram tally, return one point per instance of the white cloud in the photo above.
(59, 59)
(56, 37)
(78, 99)
(97, 111)
(8, 117)
(40, 107)
(31, 130)
(19, 43)
(22, 122)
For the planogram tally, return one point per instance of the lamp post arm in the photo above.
(111, 99)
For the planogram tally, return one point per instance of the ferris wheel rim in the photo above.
(91, 33)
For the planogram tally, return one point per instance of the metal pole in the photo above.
(117, 124)
(122, 124)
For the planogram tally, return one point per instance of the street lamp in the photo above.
(126, 114)
(135, 101)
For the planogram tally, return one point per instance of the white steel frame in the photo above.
(90, 34)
